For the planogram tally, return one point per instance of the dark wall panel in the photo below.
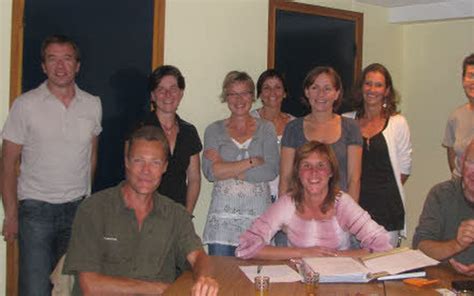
(304, 41)
(115, 38)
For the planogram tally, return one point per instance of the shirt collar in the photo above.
(47, 95)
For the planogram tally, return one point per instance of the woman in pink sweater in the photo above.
(316, 216)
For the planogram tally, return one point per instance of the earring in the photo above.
(384, 105)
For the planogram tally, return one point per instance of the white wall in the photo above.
(432, 57)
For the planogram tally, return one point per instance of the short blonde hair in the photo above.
(233, 77)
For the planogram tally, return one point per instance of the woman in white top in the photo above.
(386, 157)
(240, 157)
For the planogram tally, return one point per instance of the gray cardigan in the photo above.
(263, 144)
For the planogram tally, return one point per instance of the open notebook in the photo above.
(351, 270)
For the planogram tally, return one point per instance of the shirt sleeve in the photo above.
(194, 140)
(269, 170)
(264, 228)
(15, 128)
(84, 251)
(188, 240)
(211, 142)
(403, 144)
(289, 138)
(354, 137)
(430, 222)
(357, 221)
(449, 132)
(98, 117)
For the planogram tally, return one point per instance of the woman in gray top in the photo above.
(240, 157)
(323, 92)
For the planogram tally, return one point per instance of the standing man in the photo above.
(53, 130)
(446, 227)
(130, 239)
(460, 126)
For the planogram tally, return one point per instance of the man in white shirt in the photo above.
(53, 130)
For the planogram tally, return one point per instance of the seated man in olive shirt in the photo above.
(446, 227)
(129, 239)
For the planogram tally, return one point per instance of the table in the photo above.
(232, 281)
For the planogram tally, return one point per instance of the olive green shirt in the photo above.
(106, 239)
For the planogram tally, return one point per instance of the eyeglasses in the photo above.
(244, 94)
(170, 91)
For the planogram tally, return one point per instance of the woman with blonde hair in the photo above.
(240, 157)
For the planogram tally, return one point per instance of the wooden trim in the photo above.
(16, 58)
(356, 17)
(272, 7)
(158, 49)
(16, 68)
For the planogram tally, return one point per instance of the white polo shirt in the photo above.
(56, 153)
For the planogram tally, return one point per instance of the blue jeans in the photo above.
(43, 237)
(221, 250)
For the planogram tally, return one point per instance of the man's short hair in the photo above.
(59, 39)
(468, 61)
(149, 133)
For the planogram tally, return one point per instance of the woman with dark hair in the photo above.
(386, 158)
(323, 92)
(240, 157)
(317, 217)
(271, 89)
(182, 180)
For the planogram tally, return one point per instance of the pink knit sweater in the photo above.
(332, 233)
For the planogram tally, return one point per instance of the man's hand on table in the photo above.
(205, 286)
(467, 269)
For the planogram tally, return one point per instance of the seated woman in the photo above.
(317, 217)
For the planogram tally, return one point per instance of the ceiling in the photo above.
(400, 3)
(403, 11)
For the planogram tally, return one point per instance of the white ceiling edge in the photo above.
(397, 3)
(455, 9)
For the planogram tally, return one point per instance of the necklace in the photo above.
(169, 130)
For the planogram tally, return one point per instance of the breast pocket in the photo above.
(85, 129)
(116, 251)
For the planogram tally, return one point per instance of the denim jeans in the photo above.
(221, 250)
(43, 237)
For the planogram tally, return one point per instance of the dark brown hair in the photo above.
(391, 100)
(59, 39)
(336, 83)
(267, 74)
(162, 71)
(297, 190)
(468, 61)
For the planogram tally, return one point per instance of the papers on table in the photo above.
(397, 262)
(277, 273)
(338, 269)
(350, 270)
